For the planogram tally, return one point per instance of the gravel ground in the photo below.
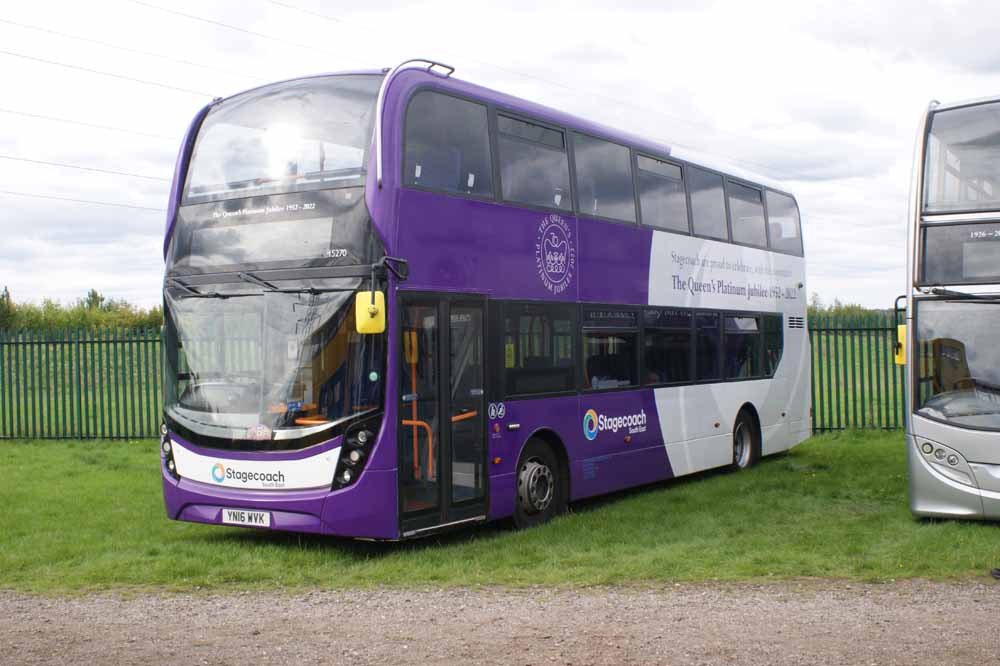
(782, 623)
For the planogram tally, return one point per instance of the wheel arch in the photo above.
(750, 409)
(558, 447)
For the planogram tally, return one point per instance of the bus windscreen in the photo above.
(298, 135)
(962, 165)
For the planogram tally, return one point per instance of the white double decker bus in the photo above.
(953, 313)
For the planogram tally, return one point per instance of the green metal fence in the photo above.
(855, 382)
(80, 384)
(105, 384)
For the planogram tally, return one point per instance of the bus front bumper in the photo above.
(365, 509)
(934, 495)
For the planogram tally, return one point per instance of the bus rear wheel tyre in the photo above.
(746, 442)
(541, 488)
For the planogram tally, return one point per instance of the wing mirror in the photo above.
(369, 312)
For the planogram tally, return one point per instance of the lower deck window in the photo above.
(667, 356)
(610, 359)
(774, 343)
(538, 348)
(742, 348)
(709, 339)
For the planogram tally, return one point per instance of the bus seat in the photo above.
(535, 362)
(440, 167)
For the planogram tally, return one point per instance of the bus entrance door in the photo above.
(442, 457)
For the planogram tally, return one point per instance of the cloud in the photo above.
(959, 34)
(824, 96)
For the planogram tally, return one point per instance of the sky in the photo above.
(824, 97)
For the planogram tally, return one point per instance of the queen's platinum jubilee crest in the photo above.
(555, 255)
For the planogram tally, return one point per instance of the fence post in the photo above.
(150, 375)
(810, 325)
(47, 373)
(4, 386)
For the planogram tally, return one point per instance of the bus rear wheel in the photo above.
(746, 441)
(541, 488)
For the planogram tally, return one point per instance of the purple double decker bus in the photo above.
(396, 302)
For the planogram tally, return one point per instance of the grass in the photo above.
(81, 516)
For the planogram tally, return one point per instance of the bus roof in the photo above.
(419, 76)
(937, 106)
(561, 118)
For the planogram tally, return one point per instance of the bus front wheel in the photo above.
(746, 441)
(541, 488)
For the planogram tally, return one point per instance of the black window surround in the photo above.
(769, 345)
(523, 374)
(567, 132)
(543, 144)
(646, 163)
(461, 162)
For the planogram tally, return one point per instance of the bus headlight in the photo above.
(947, 462)
(355, 450)
(165, 447)
(354, 456)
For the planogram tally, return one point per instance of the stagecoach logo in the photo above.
(221, 473)
(590, 424)
(555, 255)
(594, 423)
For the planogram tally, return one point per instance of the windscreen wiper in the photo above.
(948, 293)
(174, 282)
(260, 282)
(273, 288)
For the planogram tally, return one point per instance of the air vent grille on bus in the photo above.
(796, 322)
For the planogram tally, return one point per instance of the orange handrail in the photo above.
(311, 420)
(463, 417)
(430, 445)
(413, 412)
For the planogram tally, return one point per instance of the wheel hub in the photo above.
(535, 486)
(741, 446)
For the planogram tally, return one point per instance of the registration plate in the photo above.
(244, 517)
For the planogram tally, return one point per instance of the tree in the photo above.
(94, 300)
(91, 312)
(6, 309)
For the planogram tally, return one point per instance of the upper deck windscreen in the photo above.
(298, 135)
(962, 168)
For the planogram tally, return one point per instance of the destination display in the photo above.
(320, 228)
(963, 253)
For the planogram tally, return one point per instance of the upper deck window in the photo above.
(962, 167)
(448, 145)
(534, 168)
(746, 206)
(603, 178)
(661, 195)
(708, 204)
(306, 134)
(783, 222)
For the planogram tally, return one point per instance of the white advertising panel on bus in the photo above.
(694, 272)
